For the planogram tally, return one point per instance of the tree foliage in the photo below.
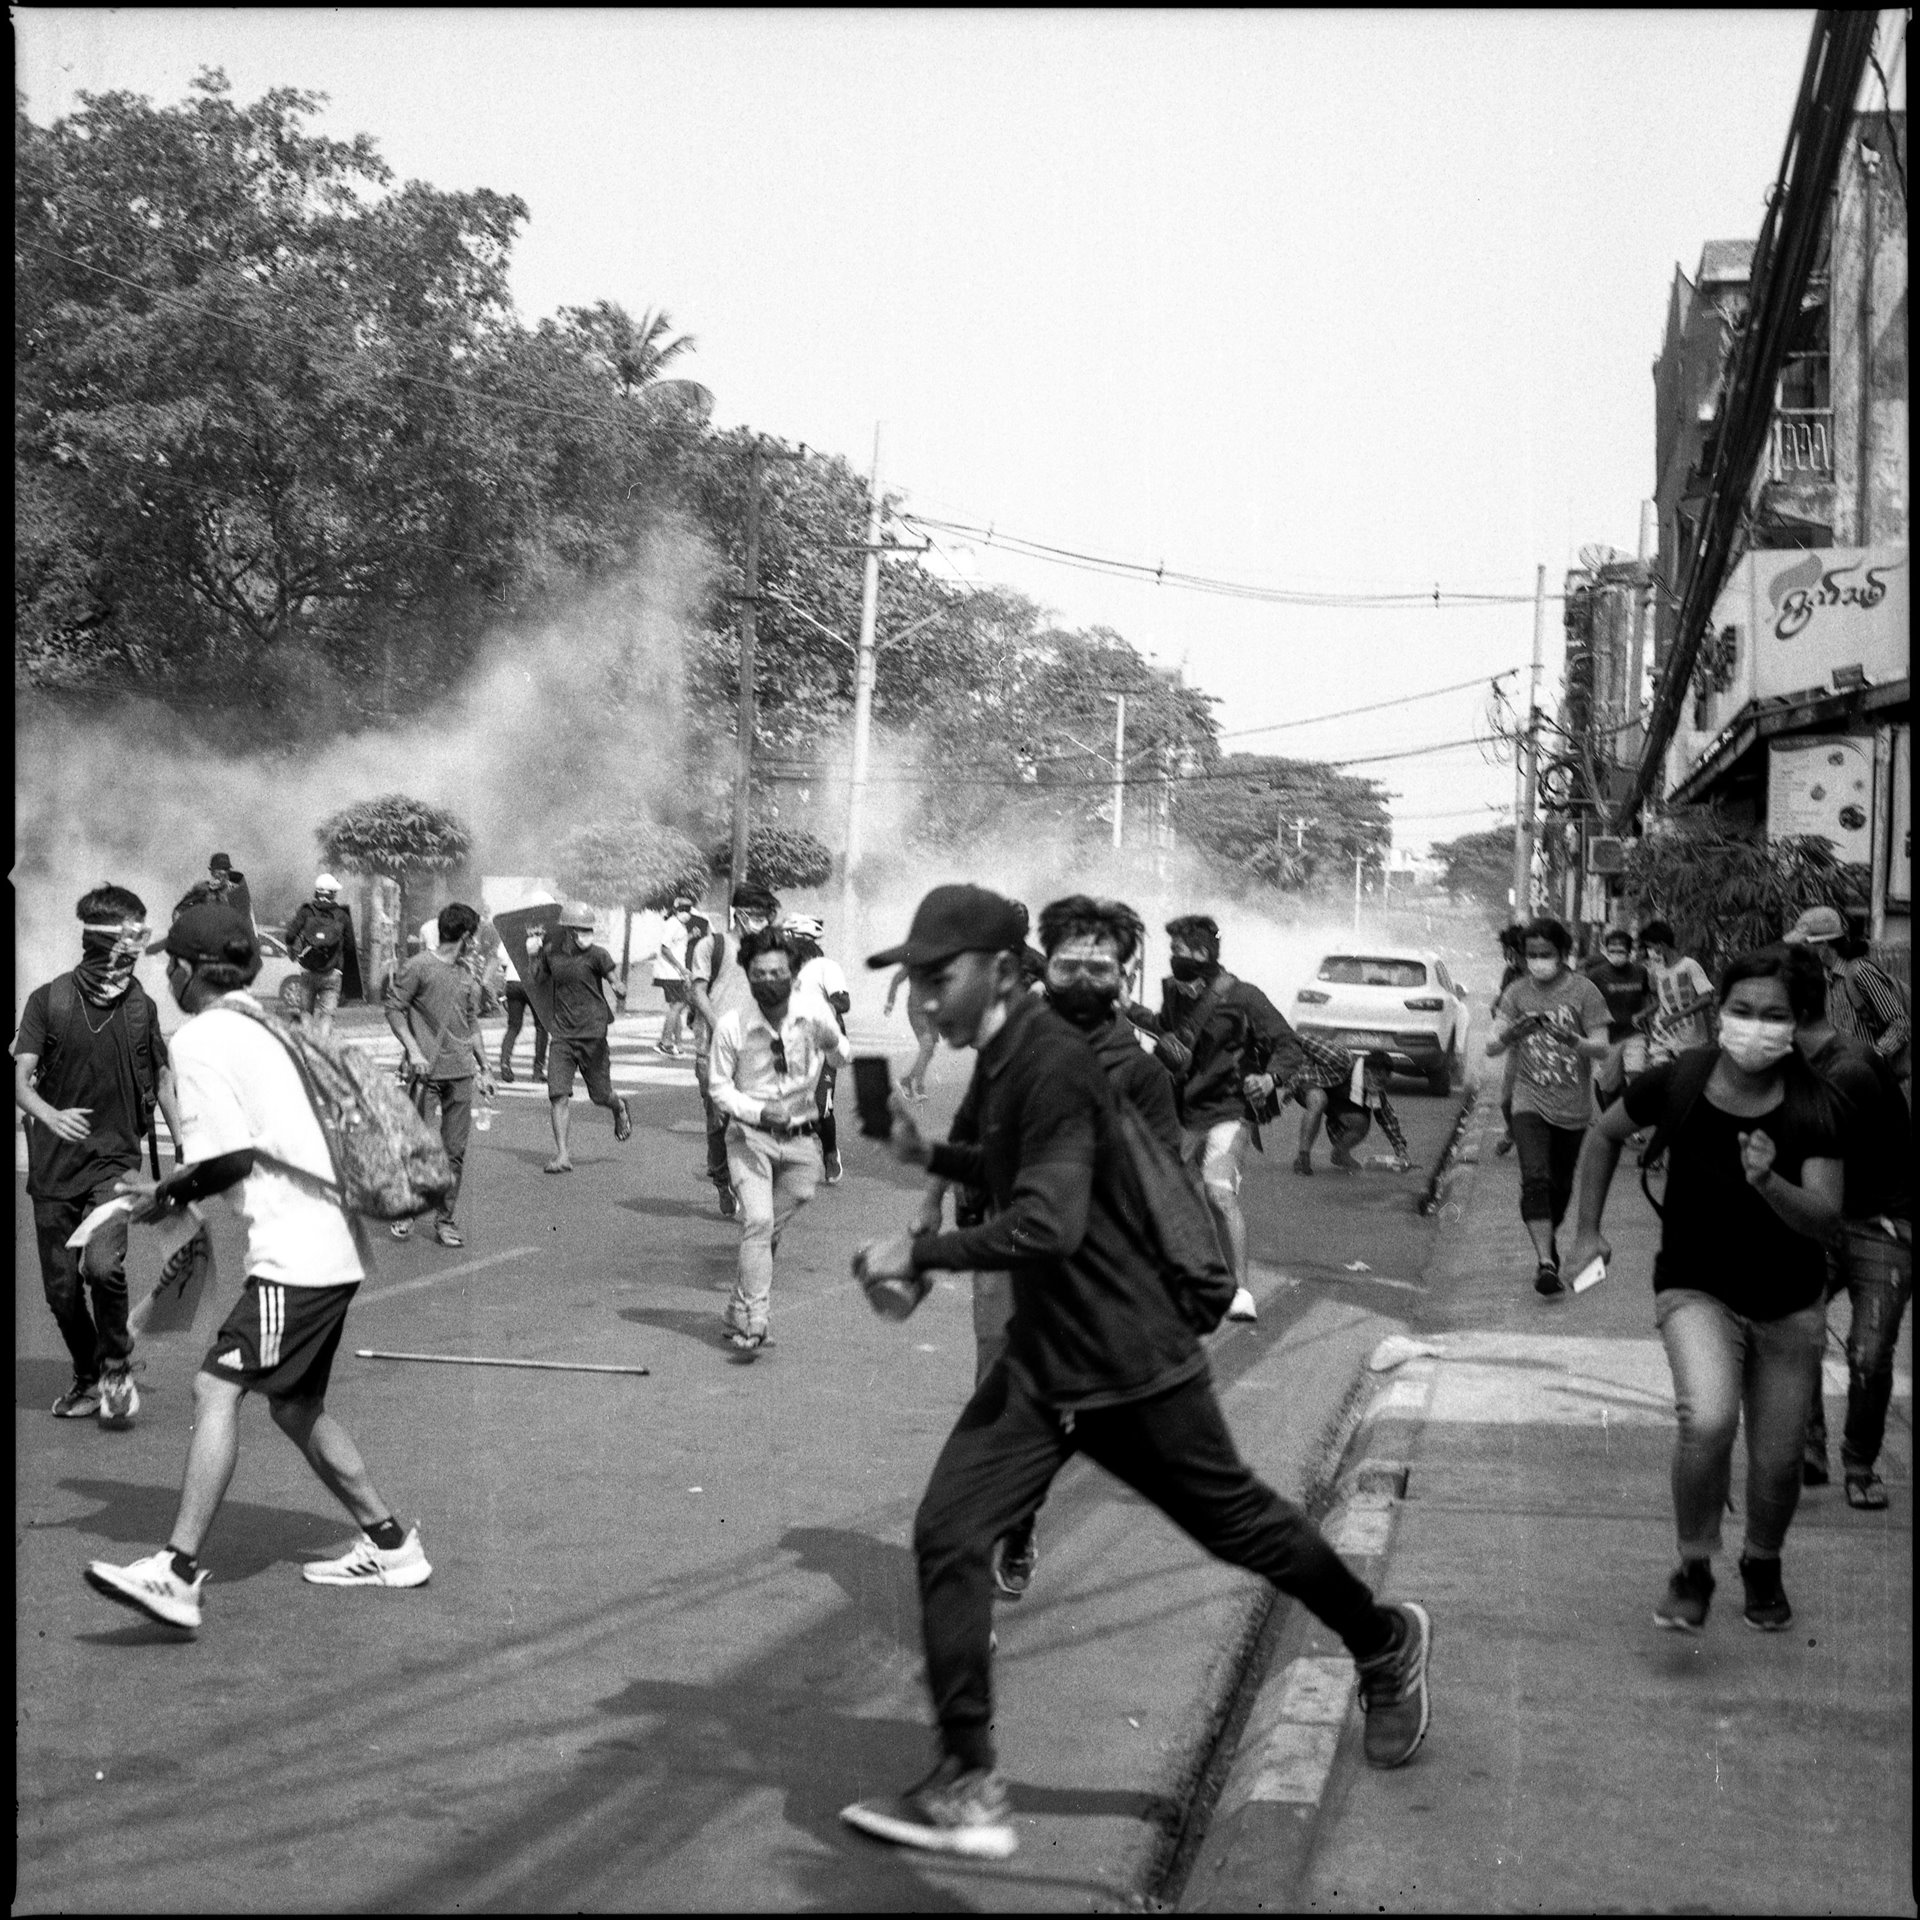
(1291, 822)
(395, 836)
(1479, 867)
(631, 864)
(779, 857)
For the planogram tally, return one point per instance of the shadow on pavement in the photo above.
(691, 1323)
(246, 1539)
(669, 1209)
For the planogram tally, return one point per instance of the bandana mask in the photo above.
(109, 952)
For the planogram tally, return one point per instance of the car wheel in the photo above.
(1440, 1079)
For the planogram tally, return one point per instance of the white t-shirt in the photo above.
(239, 1088)
(822, 976)
(670, 961)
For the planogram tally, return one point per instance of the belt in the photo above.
(803, 1126)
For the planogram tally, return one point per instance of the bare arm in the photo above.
(1599, 1156)
(69, 1123)
(1813, 1207)
(167, 1092)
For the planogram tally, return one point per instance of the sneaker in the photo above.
(746, 1342)
(80, 1401)
(1014, 1559)
(668, 1048)
(1688, 1596)
(1303, 1163)
(448, 1235)
(833, 1169)
(365, 1565)
(729, 1202)
(1393, 1691)
(119, 1397)
(151, 1586)
(402, 1229)
(1813, 1471)
(1546, 1279)
(955, 1809)
(1243, 1307)
(1767, 1609)
(507, 1075)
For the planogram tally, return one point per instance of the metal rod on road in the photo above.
(472, 1360)
(1527, 764)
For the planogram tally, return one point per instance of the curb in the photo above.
(1445, 1163)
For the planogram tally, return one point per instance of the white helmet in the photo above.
(578, 915)
(805, 925)
(325, 883)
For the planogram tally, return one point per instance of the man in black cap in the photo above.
(247, 1124)
(224, 886)
(1100, 1357)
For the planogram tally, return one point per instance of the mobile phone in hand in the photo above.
(872, 1093)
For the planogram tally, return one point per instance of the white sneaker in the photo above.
(365, 1565)
(1243, 1307)
(151, 1586)
(119, 1398)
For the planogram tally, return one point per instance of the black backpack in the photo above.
(1180, 1232)
(1807, 1105)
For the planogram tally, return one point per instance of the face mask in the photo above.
(1081, 1002)
(109, 952)
(1543, 970)
(1754, 1045)
(1618, 958)
(1186, 969)
(770, 996)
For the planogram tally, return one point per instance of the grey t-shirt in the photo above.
(440, 1001)
(1552, 1078)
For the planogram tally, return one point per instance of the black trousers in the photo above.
(518, 1009)
(1549, 1156)
(1173, 1450)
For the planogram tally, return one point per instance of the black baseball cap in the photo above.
(957, 919)
(210, 934)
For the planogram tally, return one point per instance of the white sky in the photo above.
(1351, 300)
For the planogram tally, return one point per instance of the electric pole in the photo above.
(1119, 766)
(1526, 764)
(743, 714)
(1637, 652)
(1357, 859)
(865, 670)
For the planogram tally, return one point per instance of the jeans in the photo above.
(775, 1177)
(1173, 1450)
(68, 1274)
(456, 1128)
(717, 1124)
(518, 1008)
(1875, 1272)
(320, 992)
(1548, 1157)
(1216, 1153)
(1723, 1363)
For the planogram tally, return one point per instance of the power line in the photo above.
(1378, 706)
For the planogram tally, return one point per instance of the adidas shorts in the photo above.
(280, 1341)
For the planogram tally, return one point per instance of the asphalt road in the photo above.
(672, 1624)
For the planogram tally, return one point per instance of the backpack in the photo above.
(63, 1000)
(1180, 1234)
(1175, 1050)
(1691, 1072)
(320, 952)
(387, 1162)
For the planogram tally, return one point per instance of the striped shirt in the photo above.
(1867, 1005)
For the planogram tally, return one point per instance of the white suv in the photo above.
(1399, 1001)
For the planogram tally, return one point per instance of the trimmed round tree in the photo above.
(631, 865)
(779, 857)
(395, 838)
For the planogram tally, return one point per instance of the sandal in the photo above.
(1867, 1491)
(558, 1166)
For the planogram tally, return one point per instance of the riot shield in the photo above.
(513, 926)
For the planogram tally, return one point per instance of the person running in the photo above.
(766, 1062)
(89, 1068)
(670, 972)
(1228, 1049)
(1557, 1020)
(1628, 992)
(519, 1010)
(1348, 1090)
(716, 984)
(1513, 966)
(1754, 1187)
(824, 978)
(249, 1128)
(320, 938)
(433, 1007)
(1101, 1358)
(1873, 1264)
(1864, 1002)
(573, 971)
(1681, 1016)
(913, 1083)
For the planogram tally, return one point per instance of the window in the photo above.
(1363, 970)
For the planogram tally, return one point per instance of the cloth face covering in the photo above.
(1543, 970)
(1186, 969)
(109, 951)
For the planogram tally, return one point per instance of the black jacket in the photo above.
(1243, 1033)
(1137, 1074)
(1094, 1323)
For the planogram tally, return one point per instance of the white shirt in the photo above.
(821, 976)
(1673, 1031)
(238, 1088)
(742, 1077)
(670, 963)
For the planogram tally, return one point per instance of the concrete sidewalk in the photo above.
(1580, 1759)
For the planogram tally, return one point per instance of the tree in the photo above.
(1727, 891)
(396, 838)
(1479, 866)
(1247, 802)
(631, 864)
(779, 857)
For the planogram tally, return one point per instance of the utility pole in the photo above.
(1526, 763)
(744, 715)
(865, 670)
(1357, 859)
(1637, 651)
(1119, 766)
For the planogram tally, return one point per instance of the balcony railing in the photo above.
(1802, 444)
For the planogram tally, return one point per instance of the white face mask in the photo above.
(1543, 970)
(1754, 1045)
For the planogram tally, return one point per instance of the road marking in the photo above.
(433, 1279)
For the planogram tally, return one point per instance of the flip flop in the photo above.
(622, 1120)
(1866, 1491)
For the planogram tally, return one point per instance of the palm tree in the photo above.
(637, 352)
